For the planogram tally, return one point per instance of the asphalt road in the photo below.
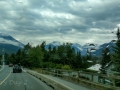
(20, 81)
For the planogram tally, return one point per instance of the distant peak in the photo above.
(55, 43)
(3, 34)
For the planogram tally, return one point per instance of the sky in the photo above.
(74, 21)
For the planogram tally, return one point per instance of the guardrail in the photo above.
(89, 83)
(56, 85)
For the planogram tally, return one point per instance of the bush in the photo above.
(58, 66)
(66, 67)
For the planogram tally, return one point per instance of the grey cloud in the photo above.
(29, 17)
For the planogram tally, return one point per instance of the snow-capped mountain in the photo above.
(110, 45)
(94, 49)
(76, 46)
(89, 47)
(7, 39)
(9, 43)
(12, 45)
(53, 44)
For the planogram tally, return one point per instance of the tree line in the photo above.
(61, 57)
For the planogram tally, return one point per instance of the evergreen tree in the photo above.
(84, 62)
(116, 55)
(61, 53)
(12, 58)
(35, 57)
(79, 60)
(105, 59)
(6, 57)
(49, 48)
(118, 34)
(27, 47)
(88, 58)
(43, 46)
(0, 59)
(71, 59)
(25, 52)
(18, 56)
(46, 56)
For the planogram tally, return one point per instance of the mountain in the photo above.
(110, 45)
(76, 46)
(9, 44)
(94, 49)
(53, 44)
(90, 47)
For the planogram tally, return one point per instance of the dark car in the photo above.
(17, 69)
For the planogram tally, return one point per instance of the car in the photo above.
(17, 69)
(10, 65)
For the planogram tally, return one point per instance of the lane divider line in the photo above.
(5, 78)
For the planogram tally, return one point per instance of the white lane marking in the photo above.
(5, 78)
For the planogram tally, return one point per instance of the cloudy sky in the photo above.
(75, 21)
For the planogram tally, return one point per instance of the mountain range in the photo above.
(8, 44)
(94, 49)
(11, 45)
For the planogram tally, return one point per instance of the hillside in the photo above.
(9, 44)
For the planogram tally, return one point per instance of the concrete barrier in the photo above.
(56, 85)
(59, 86)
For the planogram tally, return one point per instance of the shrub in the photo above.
(66, 67)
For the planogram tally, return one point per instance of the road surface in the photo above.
(20, 81)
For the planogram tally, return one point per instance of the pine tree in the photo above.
(116, 55)
(36, 57)
(79, 60)
(88, 56)
(27, 47)
(50, 49)
(105, 59)
(43, 46)
(25, 53)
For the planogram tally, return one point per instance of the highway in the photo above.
(20, 81)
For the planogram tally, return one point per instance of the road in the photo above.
(20, 81)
